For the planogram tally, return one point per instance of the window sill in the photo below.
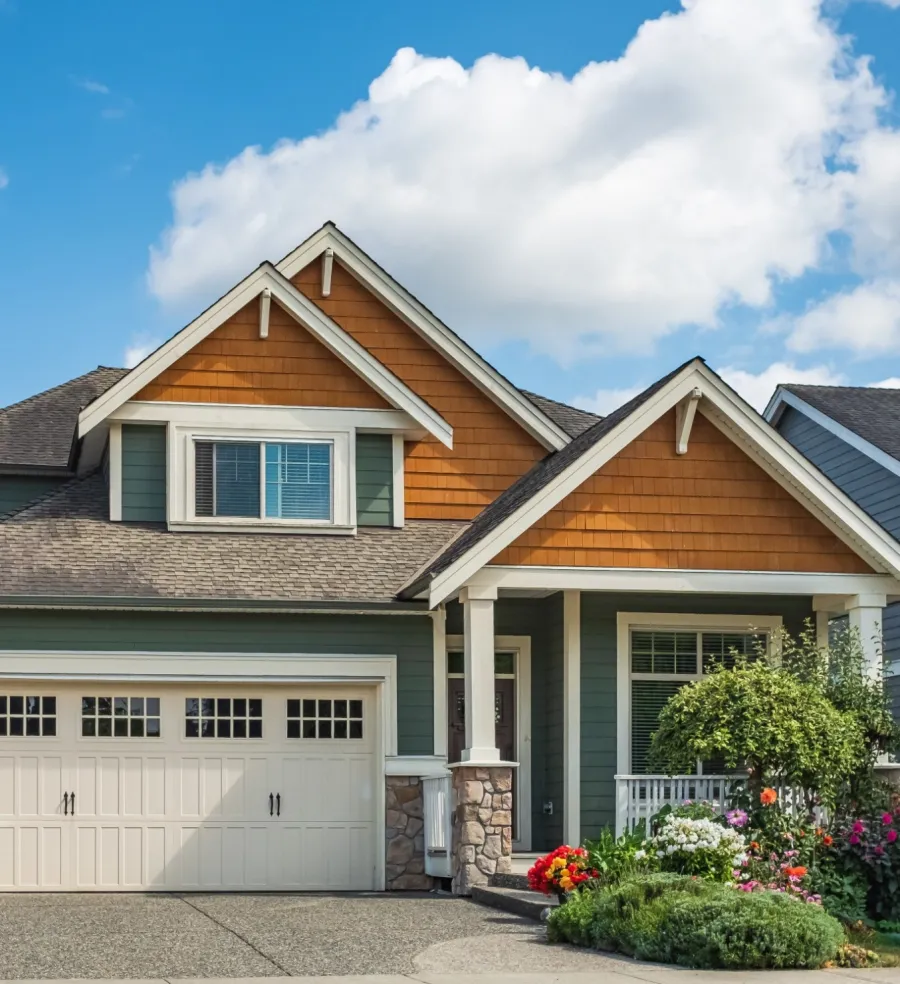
(259, 526)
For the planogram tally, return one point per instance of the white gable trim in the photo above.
(784, 398)
(424, 323)
(347, 349)
(725, 409)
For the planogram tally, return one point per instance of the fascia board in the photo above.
(424, 323)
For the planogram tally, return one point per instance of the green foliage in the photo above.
(842, 888)
(616, 858)
(695, 923)
(749, 717)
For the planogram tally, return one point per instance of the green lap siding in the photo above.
(143, 474)
(408, 637)
(598, 678)
(16, 491)
(374, 480)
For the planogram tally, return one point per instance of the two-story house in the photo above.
(314, 594)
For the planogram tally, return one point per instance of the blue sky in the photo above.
(612, 193)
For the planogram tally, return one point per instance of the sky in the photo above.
(590, 192)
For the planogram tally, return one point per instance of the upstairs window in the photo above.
(263, 480)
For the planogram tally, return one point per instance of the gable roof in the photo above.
(571, 419)
(533, 418)
(548, 482)
(330, 334)
(37, 433)
(64, 547)
(871, 414)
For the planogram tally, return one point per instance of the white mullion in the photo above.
(262, 480)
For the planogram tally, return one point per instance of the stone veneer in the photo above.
(404, 832)
(482, 825)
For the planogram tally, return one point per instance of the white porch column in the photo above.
(572, 717)
(866, 613)
(478, 622)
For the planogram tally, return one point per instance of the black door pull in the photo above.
(278, 801)
(65, 804)
(271, 804)
(72, 804)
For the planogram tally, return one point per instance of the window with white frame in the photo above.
(280, 480)
(663, 660)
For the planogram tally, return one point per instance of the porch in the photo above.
(591, 670)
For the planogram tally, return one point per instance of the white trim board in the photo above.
(626, 621)
(414, 314)
(784, 398)
(521, 646)
(731, 414)
(222, 668)
(296, 304)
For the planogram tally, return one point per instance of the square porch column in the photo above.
(478, 626)
(866, 613)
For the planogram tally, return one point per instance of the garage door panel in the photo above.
(8, 854)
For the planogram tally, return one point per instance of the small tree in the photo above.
(762, 718)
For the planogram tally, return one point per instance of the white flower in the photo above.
(660, 854)
(640, 855)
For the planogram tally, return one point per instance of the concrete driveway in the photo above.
(163, 936)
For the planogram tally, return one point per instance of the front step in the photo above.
(521, 902)
(510, 881)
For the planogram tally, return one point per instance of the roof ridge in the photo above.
(559, 403)
(59, 386)
(825, 386)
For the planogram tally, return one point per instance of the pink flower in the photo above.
(854, 838)
(858, 827)
(891, 836)
(887, 819)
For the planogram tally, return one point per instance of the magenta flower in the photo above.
(858, 827)
(854, 838)
(737, 818)
(891, 836)
(887, 819)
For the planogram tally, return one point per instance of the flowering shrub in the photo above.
(560, 871)
(698, 847)
(869, 845)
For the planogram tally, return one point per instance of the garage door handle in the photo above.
(278, 801)
(65, 804)
(271, 804)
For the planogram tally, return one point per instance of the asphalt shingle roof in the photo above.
(38, 432)
(531, 483)
(64, 545)
(872, 413)
(572, 420)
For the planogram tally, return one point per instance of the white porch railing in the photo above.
(438, 796)
(640, 797)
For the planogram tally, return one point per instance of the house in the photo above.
(315, 598)
(852, 435)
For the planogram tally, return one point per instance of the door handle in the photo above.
(271, 804)
(72, 803)
(65, 804)
(278, 801)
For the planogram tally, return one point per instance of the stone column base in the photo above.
(405, 847)
(482, 825)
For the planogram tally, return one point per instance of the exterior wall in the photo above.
(16, 491)
(404, 834)
(598, 678)
(143, 473)
(870, 485)
(374, 480)
(489, 451)
(710, 509)
(289, 368)
(409, 637)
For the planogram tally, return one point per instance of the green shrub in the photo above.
(676, 919)
(749, 930)
(617, 858)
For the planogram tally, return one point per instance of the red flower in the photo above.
(891, 836)
(768, 796)
(887, 819)
(828, 840)
(798, 872)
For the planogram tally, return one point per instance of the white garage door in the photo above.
(142, 787)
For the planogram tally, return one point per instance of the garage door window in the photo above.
(120, 717)
(324, 718)
(223, 717)
(27, 717)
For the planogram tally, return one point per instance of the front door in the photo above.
(504, 717)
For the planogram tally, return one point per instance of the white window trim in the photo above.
(181, 479)
(521, 646)
(680, 622)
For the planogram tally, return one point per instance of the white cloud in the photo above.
(4, 179)
(138, 351)
(604, 401)
(864, 320)
(757, 388)
(894, 381)
(583, 214)
(91, 85)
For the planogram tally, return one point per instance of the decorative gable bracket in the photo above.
(685, 411)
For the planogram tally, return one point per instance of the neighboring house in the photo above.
(852, 434)
(314, 549)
